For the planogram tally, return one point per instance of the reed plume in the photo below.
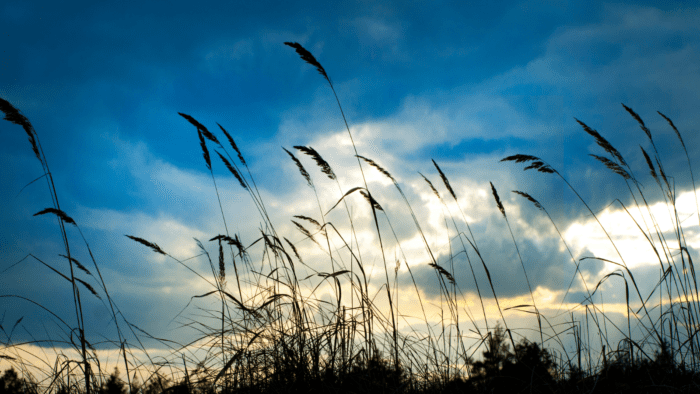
(13, 115)
(301, 168)
(233, 144)
(322, 164)
(232, 170)
(444, 180)
(151, 245)
(309, 58)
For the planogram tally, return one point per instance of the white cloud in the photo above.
(622, 227)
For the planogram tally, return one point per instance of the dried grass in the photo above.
(649, 164)
(322, 164)
(378, 167)
(151, 245)
(59, 213)
(603, 143)
(498, 200)
(614, 167)
(445, 181)
(232, 170)
(530, 198)
(309, 58)
(13, 115)
(233, 144)
(301, 168)
(431, 186)
(443, 272)
(205, 151)
(274, 337)
(77, 264)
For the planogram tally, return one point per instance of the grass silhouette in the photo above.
(270, 332)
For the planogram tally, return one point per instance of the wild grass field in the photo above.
(269, 331)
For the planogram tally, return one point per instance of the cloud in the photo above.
(236, 54)
(420, 122)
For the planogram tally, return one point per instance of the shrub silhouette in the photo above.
(11, 383)
(496, 355)
(644, 375)
(531, 366)
(527, 368)
(113, 385)
(376, 375)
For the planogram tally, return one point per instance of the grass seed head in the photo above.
(323, 164)
(498, 200)
(309, 58)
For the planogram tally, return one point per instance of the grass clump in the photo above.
(272, 332)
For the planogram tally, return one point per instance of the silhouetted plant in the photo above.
(502, 370)
(375, 375)
(495, 356)
(271, 342)
(459, 386)
(113, 385)
(156, 384)
(11, 383)
(530, 367)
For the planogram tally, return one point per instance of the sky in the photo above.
(465, 85)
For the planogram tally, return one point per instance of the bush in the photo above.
(11, 383)
(113, 385)
(528, 367)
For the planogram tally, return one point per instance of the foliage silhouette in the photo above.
(502, 370)
(113, 385)
(11, 383)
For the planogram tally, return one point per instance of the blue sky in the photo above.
(463, 84)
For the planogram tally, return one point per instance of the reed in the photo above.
(276, 333)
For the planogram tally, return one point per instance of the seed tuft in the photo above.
(151, 245)
(309, 58)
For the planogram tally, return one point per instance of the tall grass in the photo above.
(270, 330)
